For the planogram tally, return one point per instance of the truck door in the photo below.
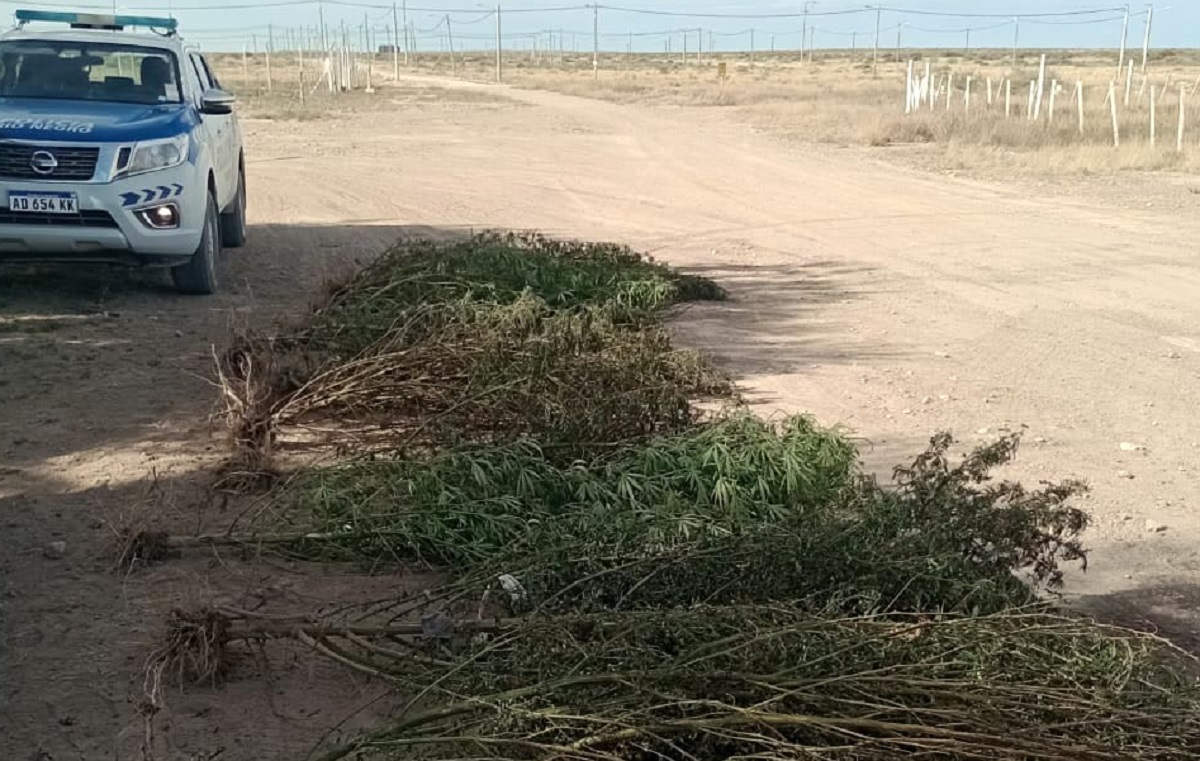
(219, 131)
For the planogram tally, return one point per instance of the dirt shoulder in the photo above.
(892, 301)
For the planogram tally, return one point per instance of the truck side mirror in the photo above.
(217, 102)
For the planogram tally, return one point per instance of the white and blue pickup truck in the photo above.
(117, 146)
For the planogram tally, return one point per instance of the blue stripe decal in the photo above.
(38, 119)
(146, 195)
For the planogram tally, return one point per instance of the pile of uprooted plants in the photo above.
(628, 578)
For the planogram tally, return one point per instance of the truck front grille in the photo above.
(73, 164)
(82, 219)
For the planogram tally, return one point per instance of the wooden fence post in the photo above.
(1032, 96)
(949, 89)
(1129, 84)
(967, 96)
(1007, 98)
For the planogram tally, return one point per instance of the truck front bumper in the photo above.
(107, 228)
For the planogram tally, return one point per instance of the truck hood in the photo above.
(45, 120)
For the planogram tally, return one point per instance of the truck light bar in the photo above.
(97, 20)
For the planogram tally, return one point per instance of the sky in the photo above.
(650, 25)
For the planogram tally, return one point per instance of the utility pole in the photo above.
(499, 61)
(346, 75)
(396, 44)
(899, 39)
(1124, 40)
(596, 40)
(450, 37)
(804, 32)
(875, 60)
(1016, 39)
(1146, 39)
(410, 35)
(370, 50)
(270, 45)
(967, 47)
(321, 21)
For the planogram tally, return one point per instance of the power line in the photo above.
(382, 6)
(859, 11)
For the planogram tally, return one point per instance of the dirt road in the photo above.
(893, 302)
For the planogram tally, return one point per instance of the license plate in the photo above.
(43, 203)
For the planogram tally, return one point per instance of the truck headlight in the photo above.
(158, 154)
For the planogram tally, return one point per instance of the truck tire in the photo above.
(199, 275)
(233, 222)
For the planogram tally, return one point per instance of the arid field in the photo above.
(892, 275)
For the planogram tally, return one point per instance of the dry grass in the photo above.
(839, 101)
(835, 99)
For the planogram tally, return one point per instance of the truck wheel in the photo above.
(233, 222)
(199, 276)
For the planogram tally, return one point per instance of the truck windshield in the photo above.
(89, 71)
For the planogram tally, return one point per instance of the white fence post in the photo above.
(1153, 109)
(1079, 99)
(1112, 107)
(1007, 98)
(1053, 93)
(908, 89)
(1182, 117)
(1041, 87)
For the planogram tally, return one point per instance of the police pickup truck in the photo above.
(116, 146)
